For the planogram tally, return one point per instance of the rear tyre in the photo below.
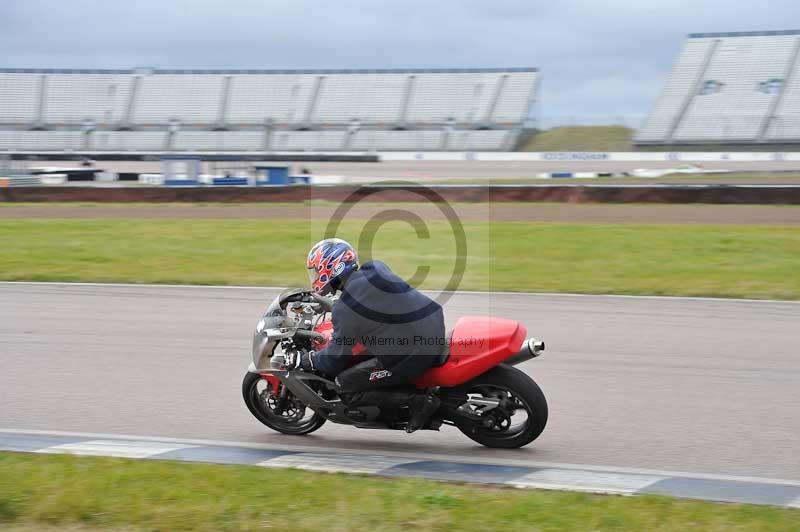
(289, 417)
(506, 427)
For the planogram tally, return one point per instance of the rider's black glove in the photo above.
(302, 360)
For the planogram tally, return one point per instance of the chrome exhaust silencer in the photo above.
(531, 348)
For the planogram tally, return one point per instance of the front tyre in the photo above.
(287, 416)
(521, 416)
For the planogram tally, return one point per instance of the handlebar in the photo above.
(309, 335)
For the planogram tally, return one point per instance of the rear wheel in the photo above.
(287, 415)
(520, 416)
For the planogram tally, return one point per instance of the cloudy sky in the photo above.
(598, 57)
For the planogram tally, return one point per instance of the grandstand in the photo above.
(732, 88)
(145, 110)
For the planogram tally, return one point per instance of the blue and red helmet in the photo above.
(330, 261)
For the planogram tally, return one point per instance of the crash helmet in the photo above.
(329, 263)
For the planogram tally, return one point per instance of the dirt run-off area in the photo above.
(505, 212)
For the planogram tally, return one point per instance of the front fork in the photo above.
(274, 382)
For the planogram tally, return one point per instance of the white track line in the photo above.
(117, 448)
(405, 455)
(624, 483)
(467, 292)
(337, 462)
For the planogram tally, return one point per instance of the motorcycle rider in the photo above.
(395, 322)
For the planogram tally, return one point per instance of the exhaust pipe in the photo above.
(532, 348)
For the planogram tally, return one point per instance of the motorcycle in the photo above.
(481, 392)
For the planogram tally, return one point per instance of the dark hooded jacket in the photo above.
(390, 318)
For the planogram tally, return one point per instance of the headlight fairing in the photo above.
(265, 340)
(276, 325)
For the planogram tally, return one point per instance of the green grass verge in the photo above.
(693, 260)
(57, 492)
(580, 138)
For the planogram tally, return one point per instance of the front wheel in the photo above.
(520, 416)
(287, 415)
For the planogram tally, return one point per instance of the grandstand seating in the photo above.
(786, 123)
(187, 98)
(469, 98)
(19, 97)
(730, 88)
(476, 140)
(34, 140)
(218, 141)
(370, 97)
(74, 98)
(221, 111)
(427, 140)
(282, 98)
(128, 141)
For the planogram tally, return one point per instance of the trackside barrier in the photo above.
(53, 179)
(151, 179)
(362, 156)
(181, 182)
(230, 181)
(591, 175)
(643, 156)
(571, 193)
(19, 181)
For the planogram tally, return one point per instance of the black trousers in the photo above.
(371, 374)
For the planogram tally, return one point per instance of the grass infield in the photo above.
(580, 138)
(687, 260)
(62, 492)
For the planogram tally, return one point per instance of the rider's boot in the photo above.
(422, 405)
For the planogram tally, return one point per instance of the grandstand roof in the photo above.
(267, 71)
(744, 34)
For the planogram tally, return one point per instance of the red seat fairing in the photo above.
(477, 345)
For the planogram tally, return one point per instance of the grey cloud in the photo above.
(597, 58)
